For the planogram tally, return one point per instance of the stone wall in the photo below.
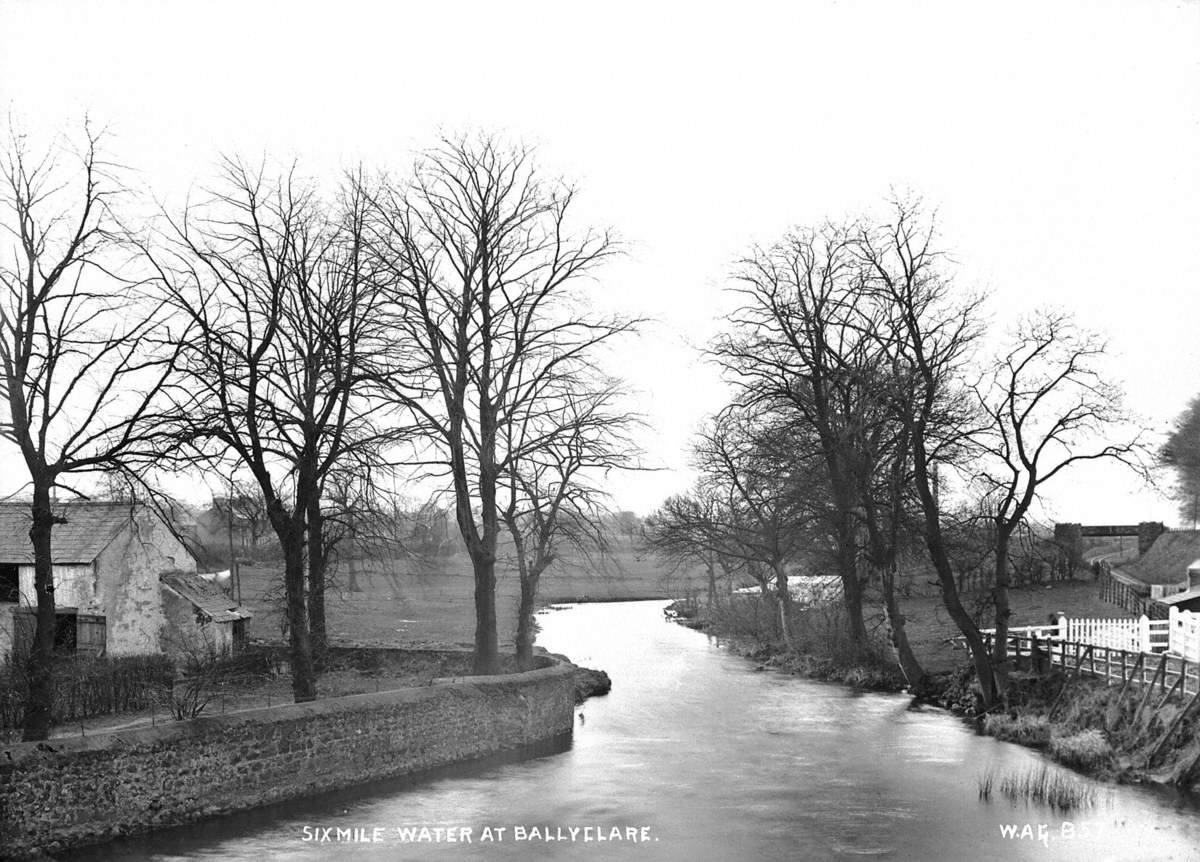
(83, 790)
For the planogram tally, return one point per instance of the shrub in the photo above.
(1024, 729)
(1088, 750)
(85, 687)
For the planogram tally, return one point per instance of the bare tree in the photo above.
(766, 498)
(556, 457)
(487, 277)
(1048, 407)
(79, 377)
(685, 531)
(930, 335)
(803, 345)
(281, 358)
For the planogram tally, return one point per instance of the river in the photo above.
(694, 756)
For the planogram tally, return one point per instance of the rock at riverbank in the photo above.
(590, 683)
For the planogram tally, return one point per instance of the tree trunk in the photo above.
(914, 674)
(712, 581)
(40, 663)
(487, 641)
(316, 582)
(782, 597)
(1003, 611)
(304, 680)
(852, 591)
(291, 539)
(526, 633)
(940, 558)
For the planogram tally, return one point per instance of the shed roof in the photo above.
(205, 596)
(1180, 598)
(89, 527)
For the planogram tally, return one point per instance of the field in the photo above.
(407, 602)
(411, 604)
(930, 627)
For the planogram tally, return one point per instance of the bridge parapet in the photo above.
(1070, 536)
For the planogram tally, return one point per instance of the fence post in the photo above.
(1144, 633)
(1062, 626)
(1172, 626)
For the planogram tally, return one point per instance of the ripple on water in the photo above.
(722, 764)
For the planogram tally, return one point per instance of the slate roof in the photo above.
(89, 527)
(205, 596)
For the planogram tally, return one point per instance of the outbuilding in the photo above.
(1188, 600)
(124, 584)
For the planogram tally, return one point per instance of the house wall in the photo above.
(184, 635)
(74, 586)
(127, 586)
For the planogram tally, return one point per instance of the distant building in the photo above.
(123, 585)
(806, 589)
(240, 521)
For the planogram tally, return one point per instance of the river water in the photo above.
(694, 756)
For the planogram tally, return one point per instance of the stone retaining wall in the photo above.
(83, 790)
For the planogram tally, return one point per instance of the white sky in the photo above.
(1060, 142)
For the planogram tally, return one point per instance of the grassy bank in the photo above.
(1104, 731)
(1108, 731)
(821, 648)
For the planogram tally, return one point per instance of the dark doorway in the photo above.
(10, 582)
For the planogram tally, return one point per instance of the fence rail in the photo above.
(1178, 634)
(1169, 673)
(1123, 595)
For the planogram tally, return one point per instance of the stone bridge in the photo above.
(1070, 536)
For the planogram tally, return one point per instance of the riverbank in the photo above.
(1123, 734)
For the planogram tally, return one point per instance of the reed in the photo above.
(1041, 785)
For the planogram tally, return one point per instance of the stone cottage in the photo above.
(123, 585)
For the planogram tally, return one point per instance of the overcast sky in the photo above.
(1060, 142)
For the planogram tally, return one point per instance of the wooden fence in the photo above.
(1178, 634)
(1123, 595)
(1169, 674)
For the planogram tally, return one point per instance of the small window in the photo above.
(10, 582)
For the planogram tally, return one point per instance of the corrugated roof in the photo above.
(89, 527)
(205, 596)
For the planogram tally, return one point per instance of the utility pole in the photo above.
(233, 563)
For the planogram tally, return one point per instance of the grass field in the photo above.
(929, 624)
(406, 602)
(409, 604)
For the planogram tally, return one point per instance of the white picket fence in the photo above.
(1178, 635)
(1184, 634)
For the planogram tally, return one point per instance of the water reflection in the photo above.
(709, 761)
